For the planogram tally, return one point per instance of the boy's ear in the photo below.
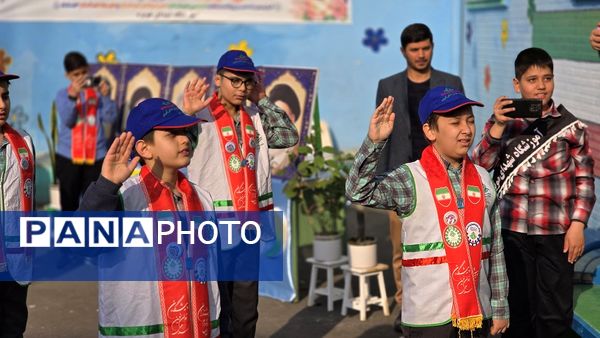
(218, 80)
(516, 85)
(142, 149)
(429, 132)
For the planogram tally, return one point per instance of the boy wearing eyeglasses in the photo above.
(231, 161)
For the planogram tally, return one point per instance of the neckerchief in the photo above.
(179, 296)
(26, 166)
(240, 164)
(85, 131)
(531, 145)
(462, 229)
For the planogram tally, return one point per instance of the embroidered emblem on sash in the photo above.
(450, 218)
(452, 236)
(173, 268)
(91, 120)
(230, 146)
(200, 270)
(24, 161)
(235, 164)
(28, 188)
(473, 194)
(251, 161)
(226, 131)
(473, 233)
(442, 195)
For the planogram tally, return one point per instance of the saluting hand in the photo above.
(382, 121)
(116, 166)
(194, 96)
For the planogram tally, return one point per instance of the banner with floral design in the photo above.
(241, 11)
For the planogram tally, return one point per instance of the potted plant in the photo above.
(318, 186)
(362, 250)
(51, 140)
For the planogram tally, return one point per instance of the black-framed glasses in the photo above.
(236, 82)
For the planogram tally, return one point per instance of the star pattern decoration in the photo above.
(504, 33)
(242, 45)
(5, 60)
(374, 39)
(109, 58)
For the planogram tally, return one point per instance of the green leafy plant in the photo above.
(318, 184)
(51, 139)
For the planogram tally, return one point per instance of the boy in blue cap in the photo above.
(160, 134)
(233, 152)
(17, 183)
(453, 274)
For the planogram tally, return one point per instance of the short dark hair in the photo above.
(73, 61)
(415, 32)
(148, 138)
(532, 57)
(285, 93)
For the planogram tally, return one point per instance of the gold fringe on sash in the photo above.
(468, 323)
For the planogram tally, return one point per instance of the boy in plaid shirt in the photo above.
(544, 176)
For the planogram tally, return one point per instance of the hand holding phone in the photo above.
(525, 108)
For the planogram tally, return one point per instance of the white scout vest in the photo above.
(426, 292)
(208, 170)
(10, 200)
(133, 308)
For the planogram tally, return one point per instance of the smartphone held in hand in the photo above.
(525, 108)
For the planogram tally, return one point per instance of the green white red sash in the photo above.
(26, 166)
(180, 296)
(240, 164)
(462, 230)
(85, 132)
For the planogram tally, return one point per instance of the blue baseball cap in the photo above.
(7, 77)
(157, 113)
(237, 61)
(441, 100)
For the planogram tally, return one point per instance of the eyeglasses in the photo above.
(236, 82)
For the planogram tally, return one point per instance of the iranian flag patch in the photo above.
(442, 195)
(226, 131)
(474, 194)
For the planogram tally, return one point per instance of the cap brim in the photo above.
(462, 104)
(241, 70)
(180, 121)
(9, 77)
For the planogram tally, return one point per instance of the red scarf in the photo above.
(175, 297)
(462, 231)
(26, 165)
(85, 131)
(240, 164)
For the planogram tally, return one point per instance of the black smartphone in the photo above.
(525, 108)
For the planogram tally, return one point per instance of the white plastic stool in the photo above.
(331, 292)
(365, 299)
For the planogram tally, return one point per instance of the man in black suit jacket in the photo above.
(407, 141)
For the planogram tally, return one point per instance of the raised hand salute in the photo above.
(382, 121)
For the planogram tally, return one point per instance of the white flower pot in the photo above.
(327, 248)
(362, 256)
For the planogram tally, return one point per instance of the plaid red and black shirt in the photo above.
(546, 197)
